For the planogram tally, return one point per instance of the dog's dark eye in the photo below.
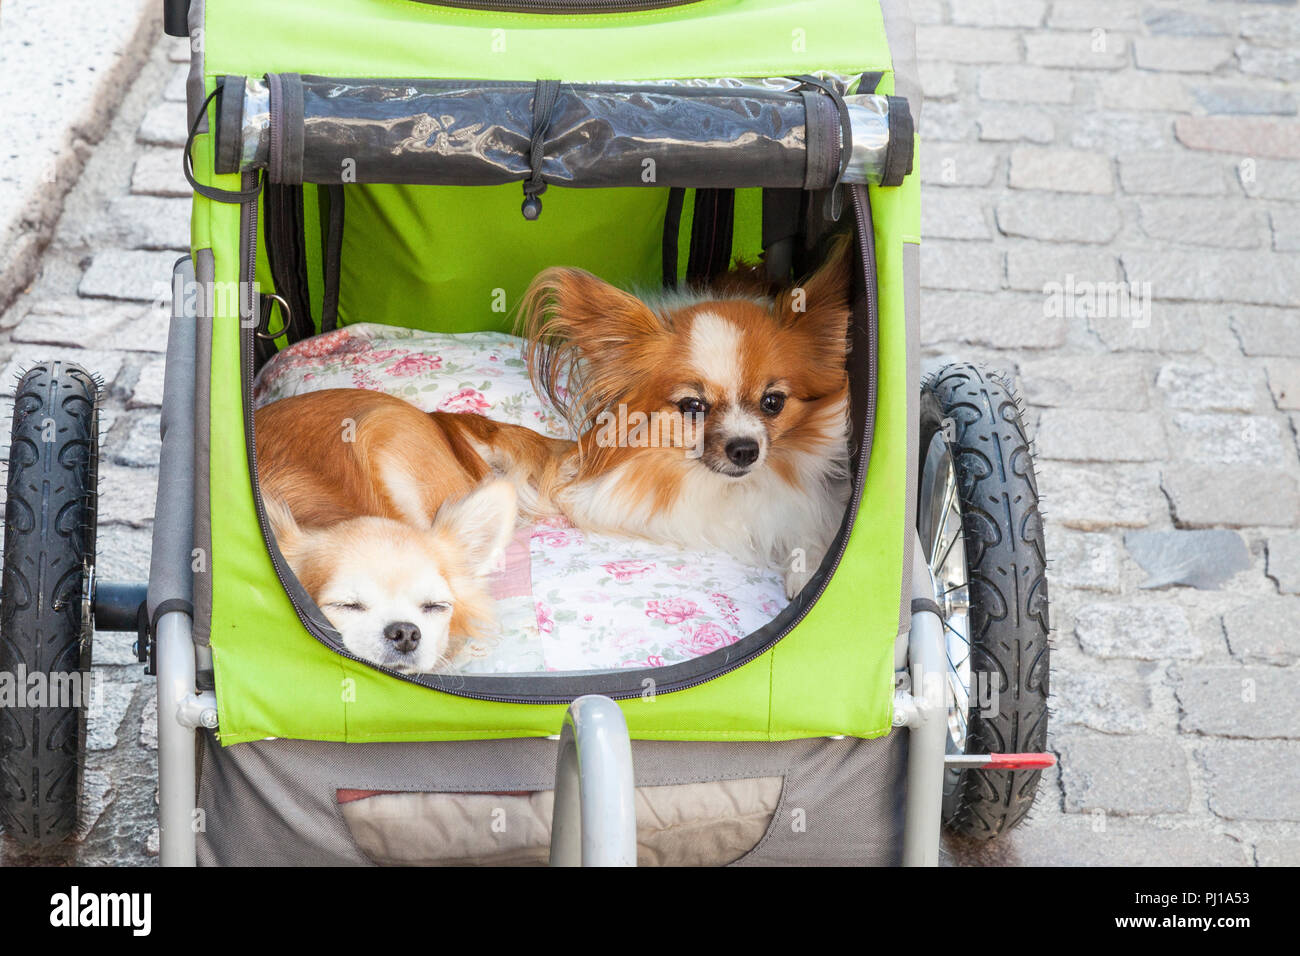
(692, 406)
(431, 607)
(772, 403)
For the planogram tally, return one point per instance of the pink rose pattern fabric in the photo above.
(566, 600)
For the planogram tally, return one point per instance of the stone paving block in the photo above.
(1094, 15)
(998, 13)
(1268, 178)
(1239, 701)
(1090, 498)
(105, 364)
(1025, 84)
(1252, 779)
(143, 444)
(1266, 331)
(1278, 852)
(146, 331)
(157, 172)
(151, 222)
(938, 80)
(1264, 631)
(149, 724)
(79, 322)
(1157, 326)
(174, 91)
(954, 215)
(1074, 434)
(1284, 561)
(1231, 439)
(1244, 277)
(961, 265)
(129, 274)
(964, 164)
(1144, 632)
(1203, 222)
(126, 495)
(1231, 100)
(1281, 65)
(1098, 839)
(992, 321)
(1085, 562)
(1170, 21)
(1109, 133)
(1032, 267)
(1124, 776)
(1160, 92)
(1240, 135)
(1182, 54)
(1208, 496)
(1005, 125)
(1199, 559)
(967, 44)
(1061, 170)
(164, 125)
(148, 389)
(109, 703)
(1058, 218)
(97, 795)
(1110, 701)
(1286, 231)
(1276, 28)
(946, 122)
(1085, 381)
(1166, 174)
(1204, 386)
(1077, 51)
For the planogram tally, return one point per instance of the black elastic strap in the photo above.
(332, 259)
(187, 164)
(925, 604)
(781, 220)
(286, 254)
(547, 92)
(712, 223)
(672, 231)
(166, 607)
(835, 199)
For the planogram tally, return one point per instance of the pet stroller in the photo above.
(361, 161)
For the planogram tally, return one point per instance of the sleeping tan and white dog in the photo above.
(386, 518)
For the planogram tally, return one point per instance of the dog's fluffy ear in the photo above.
(480, 524)
(821, 304)
(288, 534)
(582, 333)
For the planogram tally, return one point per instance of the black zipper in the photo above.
(560, 6)
(867, 247)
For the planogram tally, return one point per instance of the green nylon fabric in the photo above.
(423, 256)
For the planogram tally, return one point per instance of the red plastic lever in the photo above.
(1020, 761)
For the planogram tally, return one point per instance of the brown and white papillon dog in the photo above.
(711, 419)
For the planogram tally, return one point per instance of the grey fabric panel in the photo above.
(170, 577)
(204, 275)
(194, 92)
(274, 802)
(912, 315)
(901, 33)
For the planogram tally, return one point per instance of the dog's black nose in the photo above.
(742, 451)
(404, 635)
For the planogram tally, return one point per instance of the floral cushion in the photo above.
(567, 600)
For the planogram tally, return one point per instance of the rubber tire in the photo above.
(1007, 568)
(49, 536)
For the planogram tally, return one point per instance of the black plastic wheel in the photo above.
(1005, 601)
(45, 627)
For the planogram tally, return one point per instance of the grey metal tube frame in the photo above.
(923, 710)
(181, 708)
(593, 822)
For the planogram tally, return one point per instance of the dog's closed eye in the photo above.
(435, 607)
(347, 605)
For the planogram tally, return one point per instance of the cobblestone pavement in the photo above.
(1069, 146)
